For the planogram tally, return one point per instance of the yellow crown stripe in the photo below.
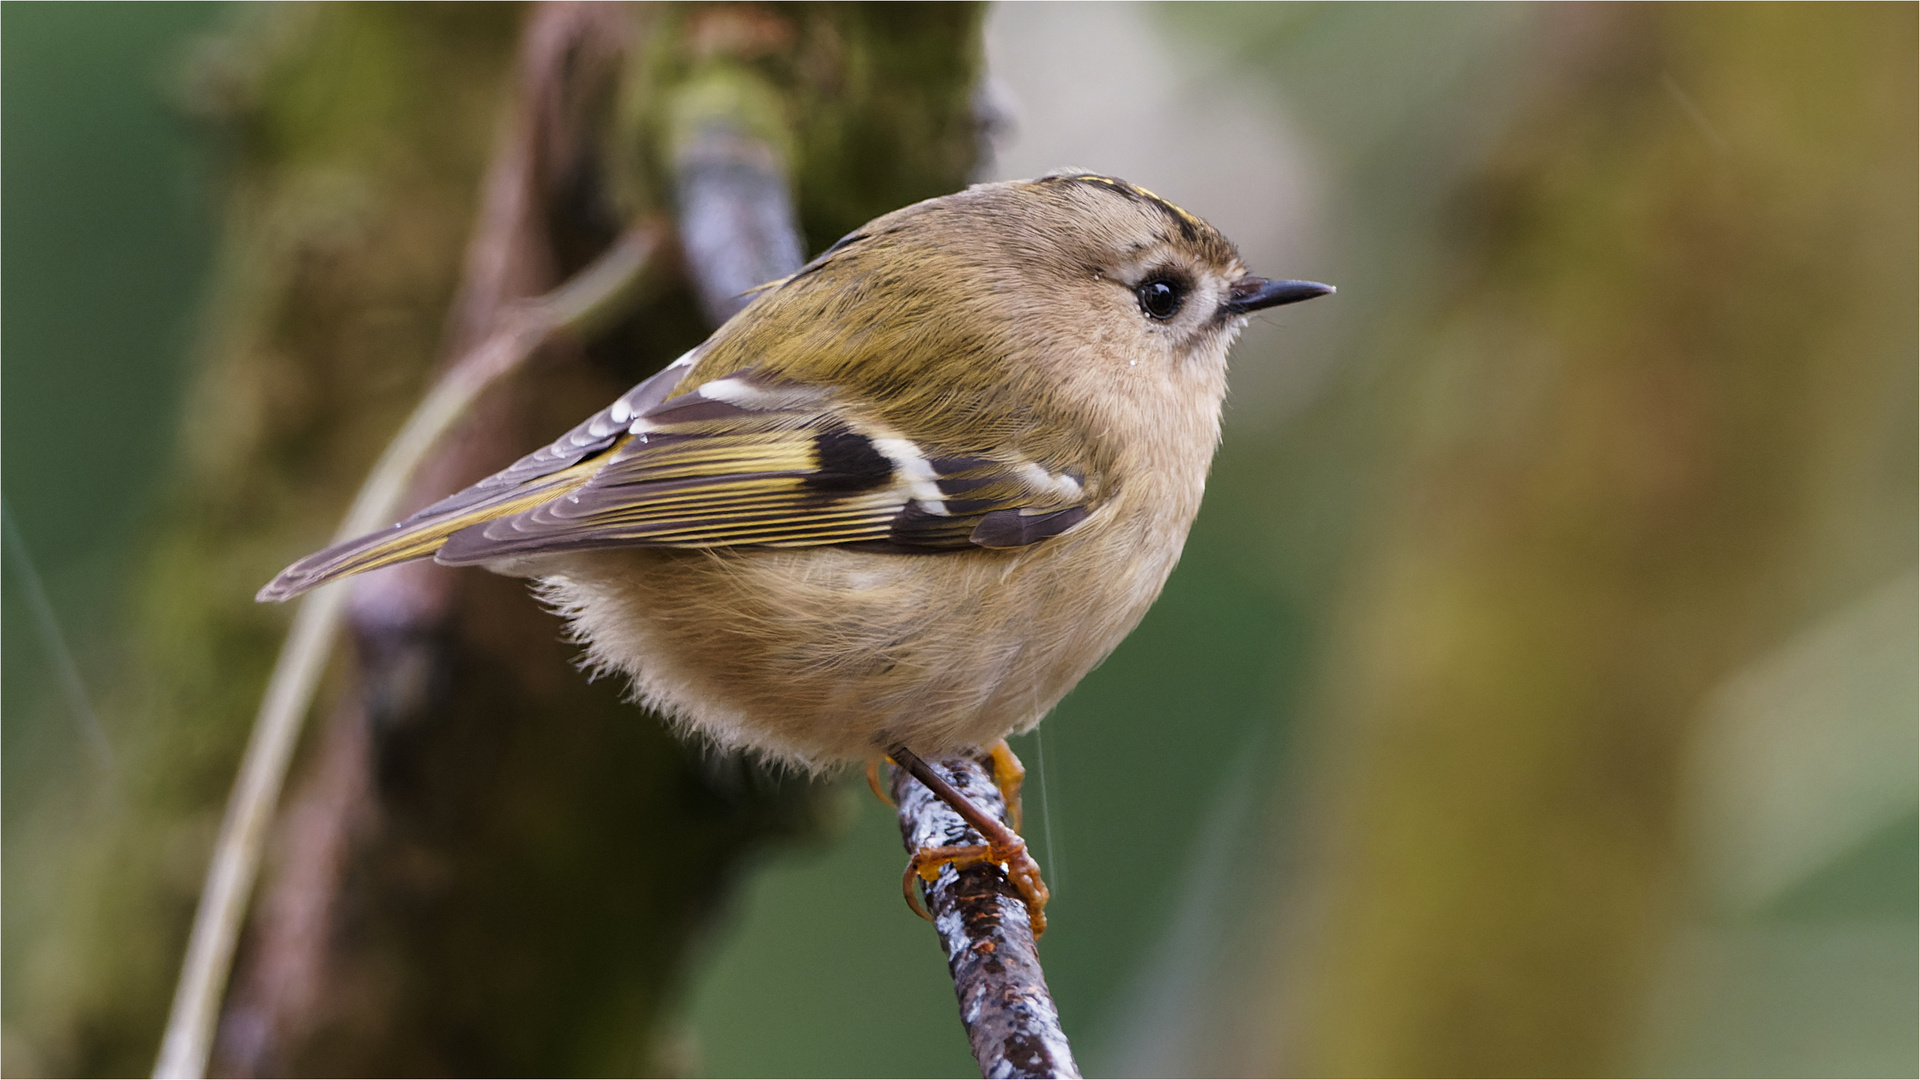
(1119, 185)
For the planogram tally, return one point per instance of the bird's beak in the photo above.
(1254, 293)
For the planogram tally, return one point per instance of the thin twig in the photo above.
(321, 824)
(596, 295)
(1010, 1018)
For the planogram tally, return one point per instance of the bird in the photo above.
(900, 503)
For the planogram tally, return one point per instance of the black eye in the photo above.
(1161, 298)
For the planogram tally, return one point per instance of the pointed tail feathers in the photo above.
(397, 544)
(415, 538)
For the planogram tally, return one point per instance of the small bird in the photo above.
(902, 501)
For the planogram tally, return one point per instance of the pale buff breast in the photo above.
(817, 656)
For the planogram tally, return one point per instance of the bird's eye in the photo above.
(1160, 298)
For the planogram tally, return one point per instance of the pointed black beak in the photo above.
(1254, 293)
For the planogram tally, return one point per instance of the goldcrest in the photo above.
(907, 497)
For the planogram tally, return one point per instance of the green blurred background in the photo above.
(1538, 692)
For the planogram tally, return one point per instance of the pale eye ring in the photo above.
(1161, 297)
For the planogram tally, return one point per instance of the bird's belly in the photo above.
(816, 656)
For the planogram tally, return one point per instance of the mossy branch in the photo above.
(597, 295)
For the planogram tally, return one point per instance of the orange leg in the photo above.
(1004, 847)
(1008, 775)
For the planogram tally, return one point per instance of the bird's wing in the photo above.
(745, 460)
(749, 460)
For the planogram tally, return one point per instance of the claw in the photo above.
(1024, 873)
(873, 781)
(912, 894)
(926, 864)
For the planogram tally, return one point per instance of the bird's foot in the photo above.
(1021, 870)
(1004, 847)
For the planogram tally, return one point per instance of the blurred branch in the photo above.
(1009, 1015)
(735, 205)
(591, 298)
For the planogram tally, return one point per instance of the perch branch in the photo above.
(584, 304)
(1010, 1018)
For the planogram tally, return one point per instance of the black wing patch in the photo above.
(847, 461)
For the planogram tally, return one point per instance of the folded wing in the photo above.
(742, 461)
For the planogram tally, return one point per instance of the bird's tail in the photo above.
(415, 538)
(398, 544)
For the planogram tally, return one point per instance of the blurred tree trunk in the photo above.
(1637, 459)
(487, 864)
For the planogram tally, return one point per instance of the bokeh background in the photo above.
(1537, 694)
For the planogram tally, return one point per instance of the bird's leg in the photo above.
(873, 781)
(1008, 775)
(1004, 847)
